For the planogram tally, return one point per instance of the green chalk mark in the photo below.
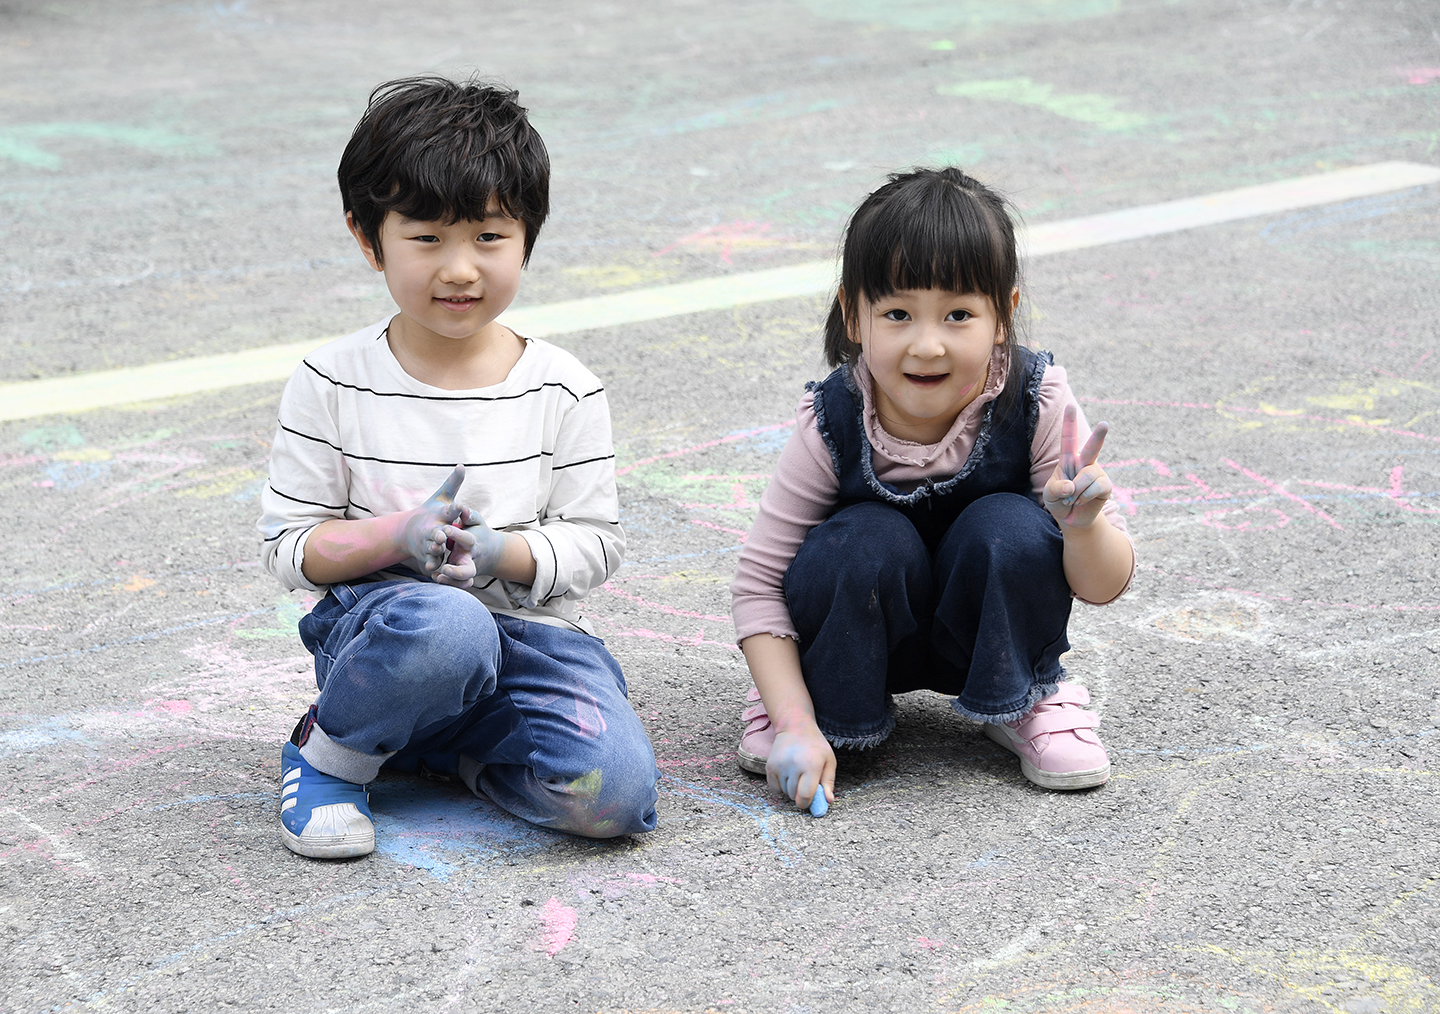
(1098, 110)
(20, 144)
(928, 16)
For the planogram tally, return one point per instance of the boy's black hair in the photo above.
(926, 229)
(432, 149)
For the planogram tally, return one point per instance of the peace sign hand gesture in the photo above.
(1078, 489)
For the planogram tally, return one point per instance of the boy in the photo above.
(449, 636)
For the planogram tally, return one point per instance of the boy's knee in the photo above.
(432, 632)
(616, 796)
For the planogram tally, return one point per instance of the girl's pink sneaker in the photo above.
(758, 737)
(1056, 741)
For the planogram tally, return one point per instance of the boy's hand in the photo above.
(801, 764)
(482, 545)
(1078, 489)
(447, 557)
(423, 534)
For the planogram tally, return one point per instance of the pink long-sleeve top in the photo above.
(805, 488)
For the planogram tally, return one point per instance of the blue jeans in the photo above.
(982, 618)
(531, 715)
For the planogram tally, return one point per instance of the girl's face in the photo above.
(929, 352)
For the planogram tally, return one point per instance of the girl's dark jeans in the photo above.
(982, 617)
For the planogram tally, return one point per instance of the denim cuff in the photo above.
(1038, 693)
(866, 741)
(329, 757)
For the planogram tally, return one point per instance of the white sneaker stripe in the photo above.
(292, 775)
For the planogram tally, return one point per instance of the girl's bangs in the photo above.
(947, 240)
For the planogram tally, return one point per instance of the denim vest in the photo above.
(999, 462)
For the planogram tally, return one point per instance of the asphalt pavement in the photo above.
(1270, 687)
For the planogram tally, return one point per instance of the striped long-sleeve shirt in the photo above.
(359, 437)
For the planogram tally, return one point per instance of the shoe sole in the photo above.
(344, 847)
(750, 762)
(1063, 780)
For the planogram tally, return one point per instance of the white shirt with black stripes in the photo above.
(359, 437)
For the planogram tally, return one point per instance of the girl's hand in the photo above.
(801, 764)
(1079, 487)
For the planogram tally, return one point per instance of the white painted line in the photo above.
(1228, 206)
(80, 393)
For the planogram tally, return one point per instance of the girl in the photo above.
(930, 518)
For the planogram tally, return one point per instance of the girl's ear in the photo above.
(366, 247)
(850, 332)
(1000, 334)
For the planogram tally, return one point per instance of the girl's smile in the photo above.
(928, 352)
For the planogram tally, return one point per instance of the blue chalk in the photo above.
(818, 806)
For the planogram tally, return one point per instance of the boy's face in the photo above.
(451, 280)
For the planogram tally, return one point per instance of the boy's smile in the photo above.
(450, 280)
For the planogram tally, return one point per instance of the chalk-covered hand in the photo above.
(426, 533)
(801, 764)
(1079, 487)
(481, 546)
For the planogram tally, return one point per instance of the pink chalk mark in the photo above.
(557, 926)
(719, 528)
(1160, 467)
(609, 586)
(1419, 75)
(727, 237)
(737, 499)
(732, 438)
(697, 641)
(177, 707)
(1327, 420)
(1274, 487)
(1396, 491)
(700, 762)
(1212, 518)
(1290, 599)
(926, 944)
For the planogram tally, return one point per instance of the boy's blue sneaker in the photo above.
(322, 816)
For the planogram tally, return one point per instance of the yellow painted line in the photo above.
(86, 391)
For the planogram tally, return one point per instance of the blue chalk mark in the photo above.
(41, 734)
(223, 797)
(441, 827)
(818, 806)
(991, 858)
(279, 915)
(137, 639)
(1351, 211)
(757, 809)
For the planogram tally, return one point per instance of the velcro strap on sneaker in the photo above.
(755, 711)
(1069, 693)
(1059, 720)
(753, 694)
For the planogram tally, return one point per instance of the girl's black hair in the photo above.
(927, 229)
(432, 149)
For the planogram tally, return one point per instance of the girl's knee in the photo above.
(1006, 528)
(859, 545)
